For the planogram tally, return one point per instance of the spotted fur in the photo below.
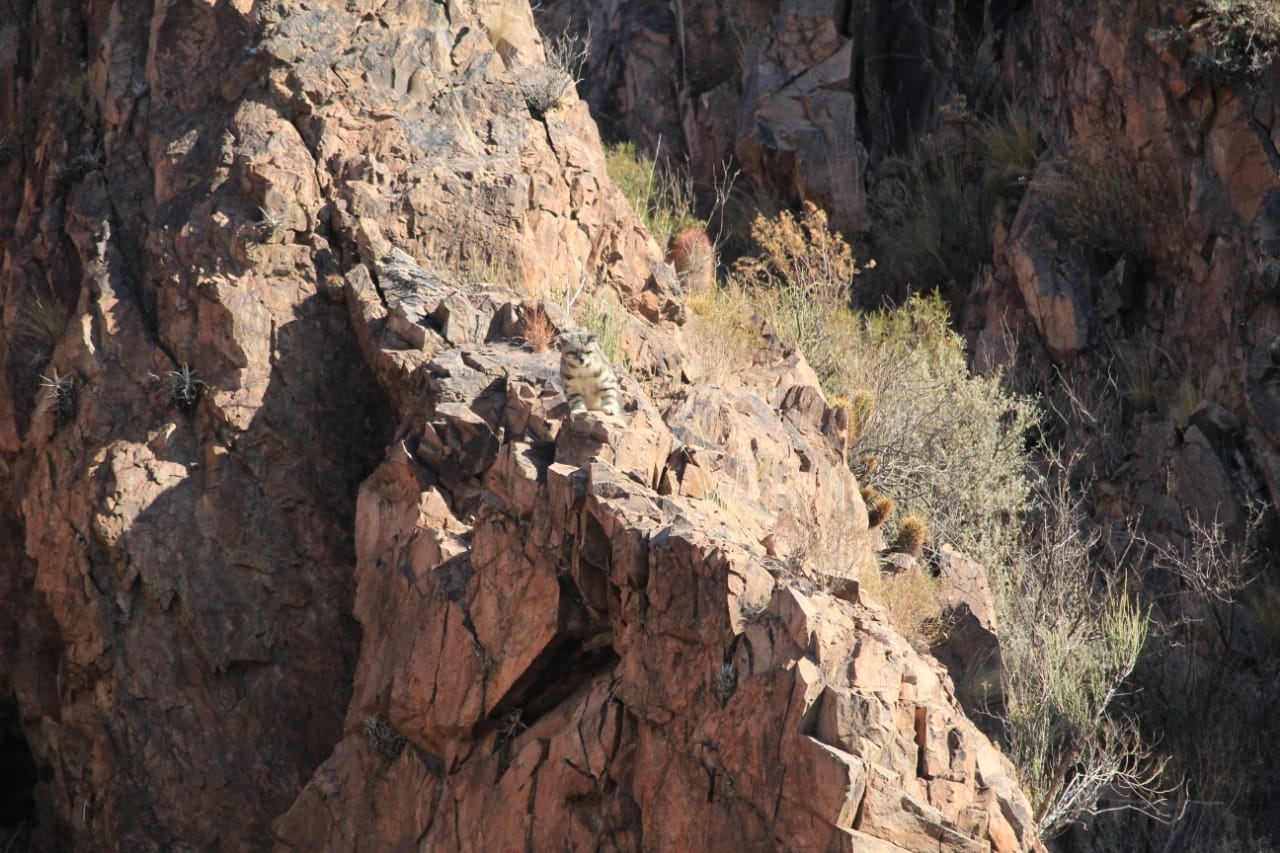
(589, 381)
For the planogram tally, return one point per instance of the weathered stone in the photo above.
(544, 650)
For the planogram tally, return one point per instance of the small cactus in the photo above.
(912, 531)
(868, 494)
(694, 259)
(60, 391)
(868, 462)
(725, 682)
(879, 510)
(861, 404)
(184, 387)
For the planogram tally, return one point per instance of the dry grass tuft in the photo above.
(539, 331)
(1108, 202)
(914, 602)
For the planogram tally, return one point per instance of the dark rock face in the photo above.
(175, 574)
(797, 92)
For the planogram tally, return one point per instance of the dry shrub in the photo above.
(1240, 38)
(1108, 201)
(799, 281)
(913, 600)
(803, 255)
(544, 88)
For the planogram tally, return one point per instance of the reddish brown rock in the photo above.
(545, 649)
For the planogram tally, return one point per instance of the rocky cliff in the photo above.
(300, 550)
(1126, 251)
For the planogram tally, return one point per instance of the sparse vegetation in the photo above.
(722, 318)
(1241, 38)
(929, 224)
(1068, 649)
(660, 194)
(1107, 202)
(953, 448)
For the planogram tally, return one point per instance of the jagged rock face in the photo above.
(1196, 302)
(576, 645)
(796, 93)
(232, 243)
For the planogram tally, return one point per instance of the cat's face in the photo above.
(577, 345)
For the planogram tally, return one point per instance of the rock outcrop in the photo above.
(573, 638)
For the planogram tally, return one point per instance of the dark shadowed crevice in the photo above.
(17, 782)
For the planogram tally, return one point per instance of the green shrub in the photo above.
(661, 195)
(949, 446)
(1010, 151)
